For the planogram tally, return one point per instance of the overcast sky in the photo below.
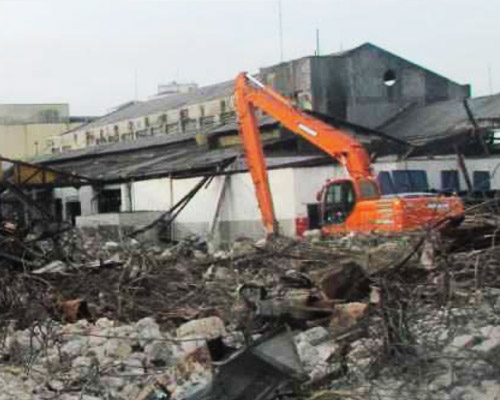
(86, 52)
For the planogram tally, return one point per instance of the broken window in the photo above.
(102, 138)
(189, 125)
(481, 181)
(493, 140)
(58, 210)
(49, 116)
(89, 138)
(109, 200)
(222, 106)
(73, 210)
(207, 122)
(450, 182)
(390, 78)
(228, 117)
(172, 128)
(304, 101)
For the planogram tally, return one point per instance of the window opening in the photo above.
(386, 183)
(450, 182)
(390, 78)
(109, 200)
(482, 181)
(410, 181)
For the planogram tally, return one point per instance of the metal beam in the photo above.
(48, 175)
(476, 129)
(16, 191)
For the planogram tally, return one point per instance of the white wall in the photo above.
(436, 165)
(152, 195)
(239, 203)
(292, 190)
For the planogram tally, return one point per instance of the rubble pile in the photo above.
(358, 317)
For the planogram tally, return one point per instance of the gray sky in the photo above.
(85, 52)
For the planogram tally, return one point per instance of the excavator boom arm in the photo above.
(251, 94)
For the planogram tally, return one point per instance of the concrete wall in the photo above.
(239, 216)
(117, 224)
(370, 102)
(33, 113)
(329, 86)
(289, 78)
(27, 140)
(352, 86)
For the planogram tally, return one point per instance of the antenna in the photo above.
(281, 30)
(317, 41)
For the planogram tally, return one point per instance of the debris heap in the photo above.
(359, 317)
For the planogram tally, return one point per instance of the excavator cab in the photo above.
(338, 198)
(338, 202)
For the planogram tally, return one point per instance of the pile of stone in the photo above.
(104, 360)
(370, 317)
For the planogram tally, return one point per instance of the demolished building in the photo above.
(417, 125)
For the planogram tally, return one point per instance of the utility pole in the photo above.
(136, 91)
(280, 30)
(317, 41)
(490, 80)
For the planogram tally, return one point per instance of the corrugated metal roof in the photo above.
(486, 107)
(119, 147)
(419, 125)
(179, 159)
(165, 103)
(146, 162)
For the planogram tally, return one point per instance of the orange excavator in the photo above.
(345, 205)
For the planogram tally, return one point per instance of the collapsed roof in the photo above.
(420, 125)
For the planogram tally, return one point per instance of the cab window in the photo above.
(368, 189)
(339, 202)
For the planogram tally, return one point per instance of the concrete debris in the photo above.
(364, 316)
(52, 267)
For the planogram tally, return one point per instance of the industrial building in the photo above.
(27, 130)
(423, 130)
(367, 86)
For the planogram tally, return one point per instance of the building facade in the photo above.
(367, 85)
(26, 130)
(188, 111)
